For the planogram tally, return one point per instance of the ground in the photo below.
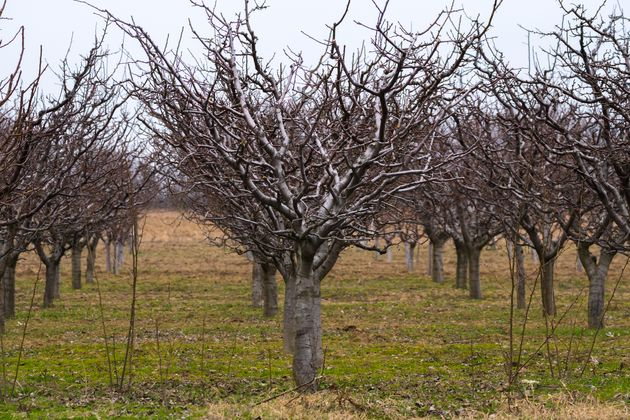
(396, 344)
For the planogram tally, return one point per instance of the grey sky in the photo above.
(53, 23)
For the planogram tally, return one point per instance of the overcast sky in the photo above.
(54, 23)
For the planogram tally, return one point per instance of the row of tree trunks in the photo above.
(468, 274)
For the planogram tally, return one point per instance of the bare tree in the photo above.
(305, 155)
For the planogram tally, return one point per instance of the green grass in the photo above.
(396, 344)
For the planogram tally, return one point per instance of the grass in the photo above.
(397, 344)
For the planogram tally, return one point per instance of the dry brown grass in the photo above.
(328, 405)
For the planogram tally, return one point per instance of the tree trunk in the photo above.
(119, 248)
(9, 285)
(57, 291)
(49, 287)
(597, 272)
(409, 255)
(7, 244)
(519, 259)
(270, 290)
(118, 257)
(474, 278)
(437, 264)
(547, 286)
(108, 255)
(288, 330)
(77, 252)
(579, 267)
(308, 356)
(389, 254)
(461, 275)
(91, 259)
(257, 285)
(430, 260)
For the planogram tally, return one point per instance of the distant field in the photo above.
(396, 344)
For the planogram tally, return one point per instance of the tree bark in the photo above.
(257, 285)
(52, 264)
(9, 285)
(308, 356)
(547, 285)
(49, 287)
(430, 260)
(108, 255)
(519, 259)
(437, 264)
(57, 291)
(409, 255)
(76, 255)
(6, 248)
(91, 259)
(119, 256)
(270, 290)
(597, 272)
(474, 278)
(288, 330)
(461, 274)
(579, 267)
